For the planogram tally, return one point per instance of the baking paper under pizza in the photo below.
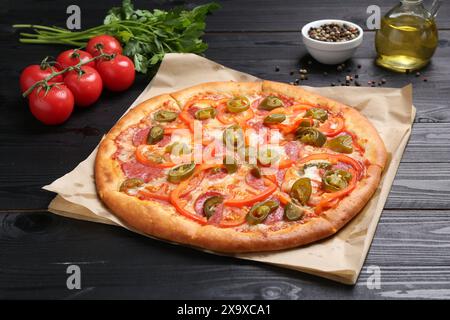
(239, 167)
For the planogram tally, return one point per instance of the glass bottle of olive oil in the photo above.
(407, 37)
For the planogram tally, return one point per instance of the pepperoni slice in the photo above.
(254, 182)
(292, 150)
(140, 136)
(133, 169)
(275, 216)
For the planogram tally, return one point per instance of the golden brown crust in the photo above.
(230, 87)
(162, 221)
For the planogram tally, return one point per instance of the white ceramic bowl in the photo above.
(330, 52)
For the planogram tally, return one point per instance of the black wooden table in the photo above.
(412, 242)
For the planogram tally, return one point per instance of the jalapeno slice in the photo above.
(270, 103)
(274, 118)
(155, 135)
(165, 116)
(268, 156)
(181, 172)
(342, 144)
(210, 205)
(306, 123)
(259, 212)
(335, 180)
(233, 136)
(130, 184)
(317, 113)
(178, 148)
(301, 190)
(204, 114)
(293, 212)
(256, 172)
(238, 104)
(231, 167)
(311, 136)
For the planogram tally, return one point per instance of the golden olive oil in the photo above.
(406, 42)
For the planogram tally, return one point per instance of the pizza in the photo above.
(239, 166)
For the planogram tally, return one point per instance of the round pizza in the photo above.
(239, 166)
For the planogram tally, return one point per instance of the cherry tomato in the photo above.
(86, 87)
(53, 107)
(108, 43)
(72, 57)
(34, 73)
(117, 73)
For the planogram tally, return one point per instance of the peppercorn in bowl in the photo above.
(332, 41)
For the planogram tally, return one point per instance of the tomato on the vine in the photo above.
(52, 106)
(34, 73)
(117, 73)
(107, 43)
(72, 57)
(86, 85)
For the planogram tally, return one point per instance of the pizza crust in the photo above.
(158, 220)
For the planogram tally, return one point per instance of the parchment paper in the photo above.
(339, 257)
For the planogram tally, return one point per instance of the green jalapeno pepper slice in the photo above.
(181, 172)
(130, 184)
(270, 103)
(335, 180)
(317, 113)
(204, 114)
(342, 144)
(259, 212)
(301, 190)
(233, 136)
(256, 172)
(165, 116)
(210, 205)
(274, 118)
(238, 104)
(155, 135)
(311, 136)
(293, 212)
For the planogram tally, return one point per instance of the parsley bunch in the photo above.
(145, 35)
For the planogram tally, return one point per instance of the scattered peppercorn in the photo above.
(356, 76)
(291, 73)
(383, 81)
(359, 66)
(334, 32)
(425, 79)
(417, 74)
(277, 68)
(333, 84)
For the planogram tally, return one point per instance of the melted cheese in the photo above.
(312, 173)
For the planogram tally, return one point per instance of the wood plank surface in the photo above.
(411, 246)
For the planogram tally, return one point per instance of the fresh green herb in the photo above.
(145, 35)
